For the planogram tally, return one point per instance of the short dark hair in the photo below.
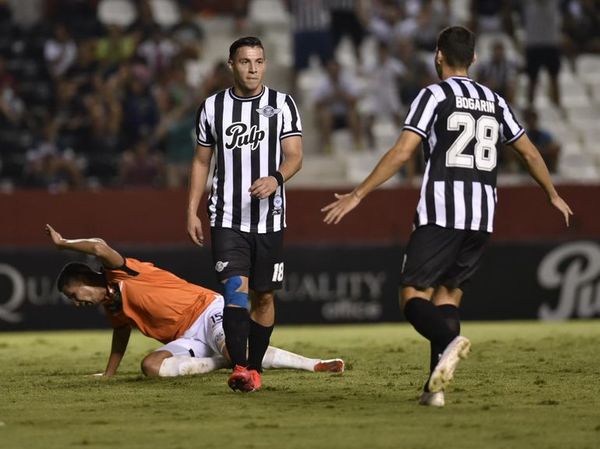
(457, 44)
(77, 271)
(248, 41)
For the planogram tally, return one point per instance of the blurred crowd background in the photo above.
(103, 93)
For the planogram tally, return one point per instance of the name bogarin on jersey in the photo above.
(476, 104)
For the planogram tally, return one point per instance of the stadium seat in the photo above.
(579, 166)
(359, 165)
(561, 131)
(588, 67)
(320, 170)
(584, 117)
(573, 92)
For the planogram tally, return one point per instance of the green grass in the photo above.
(526, 385)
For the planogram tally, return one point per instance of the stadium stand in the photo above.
(101, 112)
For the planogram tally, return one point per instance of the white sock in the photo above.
(279, 358)
(183, 365)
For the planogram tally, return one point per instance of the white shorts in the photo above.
(205, 337)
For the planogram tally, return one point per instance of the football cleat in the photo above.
(239, 379)
(330, 366)
(432, 399)
(443, 373)
(255, 382)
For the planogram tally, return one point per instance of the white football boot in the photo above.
(432, 399)
(444, 371)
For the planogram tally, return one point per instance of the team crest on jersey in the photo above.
(268, 111)
(220, 266)
(277, 203)
(241, 135)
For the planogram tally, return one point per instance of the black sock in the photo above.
(452, 318)
(258, 341)
(236, 324)
(428, 321)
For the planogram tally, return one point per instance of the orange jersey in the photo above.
(160, 304)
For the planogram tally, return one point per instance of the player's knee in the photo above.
(231, 294)
(151, 364)
(263, 300)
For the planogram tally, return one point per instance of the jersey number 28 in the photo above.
(485, 133)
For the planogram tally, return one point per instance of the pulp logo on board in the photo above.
(574, 268)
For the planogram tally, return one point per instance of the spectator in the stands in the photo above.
(12, 107)
(499, 73)
(188, 35)
(177, 101)
(348, 18)
(218, 79)
(142, 166)
(158, 50)
(311, 22)
(50, 166)
(423, 22)
(383, 99)
(542, 139)
(491, 16)
(140, 111)
(69, 112)
(543, 40)
(419, 74)
(115, 47)
(60, 51)
(384, 16)
(336, 100)
(581, 25)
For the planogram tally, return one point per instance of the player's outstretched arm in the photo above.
(537, 169)
(198, 177)
(94, 246)
(120, 340)
(387, 166)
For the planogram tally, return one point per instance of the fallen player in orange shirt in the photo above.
(185, 317)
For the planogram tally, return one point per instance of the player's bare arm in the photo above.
(93, 246)
(387, 166)
(537, 169)
(120, 340)
(198, 177)
(292, 163)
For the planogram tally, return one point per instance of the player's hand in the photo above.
(562, 207)
(194, 229)
(55, 236)
(336, 210)
(263, 187)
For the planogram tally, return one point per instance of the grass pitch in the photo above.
(526, 385)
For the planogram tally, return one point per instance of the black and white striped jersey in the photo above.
(245, 134)
(462, 123)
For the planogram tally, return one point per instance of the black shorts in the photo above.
(259, 257)
(438, 256)
(543, 56)
(345, 23)
(307, 43)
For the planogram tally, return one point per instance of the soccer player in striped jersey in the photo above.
(460, 124)
(256, 137)
(186, 318)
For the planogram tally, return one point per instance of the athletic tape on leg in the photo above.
(232, 296)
